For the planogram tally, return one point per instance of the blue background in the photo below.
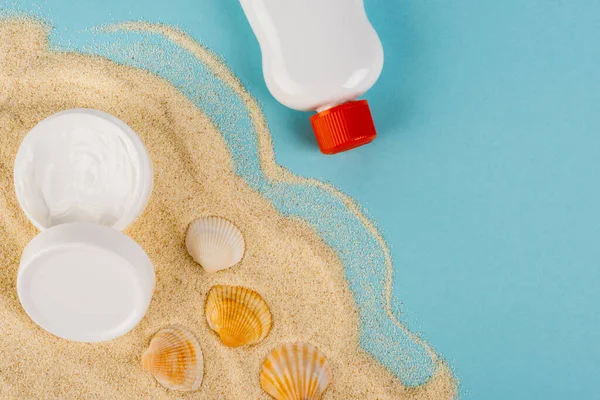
(485, 178)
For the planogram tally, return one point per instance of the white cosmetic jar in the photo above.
(81, 176)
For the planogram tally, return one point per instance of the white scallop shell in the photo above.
(295, 371)
(215, 243)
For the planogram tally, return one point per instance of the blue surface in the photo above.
(484, 178)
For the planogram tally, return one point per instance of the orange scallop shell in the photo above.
(239, 315)
(297, 371)
(175, 359)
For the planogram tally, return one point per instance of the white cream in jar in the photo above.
(82, 166)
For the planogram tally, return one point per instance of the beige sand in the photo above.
(300, 277)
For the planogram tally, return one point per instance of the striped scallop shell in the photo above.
(215, 243)
(239, 315)
(297, 371)
(175, 359)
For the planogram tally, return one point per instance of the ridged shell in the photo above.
(297, 371)
(215, 243)
(239, 315)
(175, 359)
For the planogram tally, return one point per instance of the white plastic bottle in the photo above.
(320, 55)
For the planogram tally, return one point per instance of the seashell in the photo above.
(239, 315)
(297, 371)
(175, 359)
(215, 243)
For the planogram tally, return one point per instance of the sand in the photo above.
(300, 277)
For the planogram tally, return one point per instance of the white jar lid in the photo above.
(80, 177)
(85, 282)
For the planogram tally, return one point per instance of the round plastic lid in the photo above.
(85, 282)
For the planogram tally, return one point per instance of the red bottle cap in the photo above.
(344, 127)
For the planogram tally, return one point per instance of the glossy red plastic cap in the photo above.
(344, 127)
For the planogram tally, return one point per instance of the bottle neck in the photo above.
(332, 105)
